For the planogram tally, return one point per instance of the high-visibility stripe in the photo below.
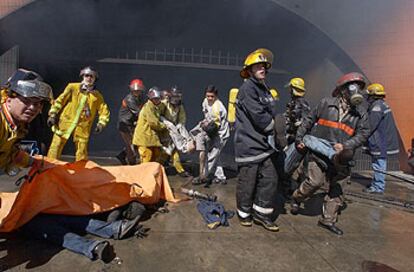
(254, 158)
(262, 209)
(243, 214)
(328, 123)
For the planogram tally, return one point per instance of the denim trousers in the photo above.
(66, 231)
(317, 145)
(378, 181)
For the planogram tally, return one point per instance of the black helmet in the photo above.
(176, 96)
(32, 88)
(23, 74)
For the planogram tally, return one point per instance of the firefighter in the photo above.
(253, 140)
(296, 109)
(212, 134)
(344, 126)
(383, 140)
(173, 114)
(149, 128)
(73, 113)
(24, 96)
(127, 120)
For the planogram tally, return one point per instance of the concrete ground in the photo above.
(378, 237)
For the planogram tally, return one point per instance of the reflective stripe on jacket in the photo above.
(323, 122)
(78, 110)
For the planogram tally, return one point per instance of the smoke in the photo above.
(58, 37)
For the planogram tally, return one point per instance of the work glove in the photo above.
(98, 128)
(52, 120)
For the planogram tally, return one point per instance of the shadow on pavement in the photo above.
(16, 250)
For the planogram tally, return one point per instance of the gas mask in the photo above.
(176, 100)
(353, 94)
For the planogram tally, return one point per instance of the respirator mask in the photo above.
(353, 94)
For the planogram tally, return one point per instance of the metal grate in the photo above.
(363, 162)
(9, 63)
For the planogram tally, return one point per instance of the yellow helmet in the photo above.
(298, 86)
(261, 55)
(376, 89)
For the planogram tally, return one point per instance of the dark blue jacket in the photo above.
(383, 139)
(254, 122)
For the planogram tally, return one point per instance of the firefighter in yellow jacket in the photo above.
(149, 128)
(74, 111)
(173, 115)
(22, 100)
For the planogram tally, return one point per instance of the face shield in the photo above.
(32, 88)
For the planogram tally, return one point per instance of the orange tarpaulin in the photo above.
(82, 188)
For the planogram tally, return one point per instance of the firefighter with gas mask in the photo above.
(383, 140)
(127, 120)
(149, 128)
(74, 112)
(253, 140)
(23, 98)
(341, 124)
(296, 109)
(174, 117)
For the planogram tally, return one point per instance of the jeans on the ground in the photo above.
(378, 181)
(65, 231)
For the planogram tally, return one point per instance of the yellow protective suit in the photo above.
(147, 131)
(83, 188)
(77, 111)
(10, 154)
(172, 114)
(175, 115)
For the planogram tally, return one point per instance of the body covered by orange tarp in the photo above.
(83, 188)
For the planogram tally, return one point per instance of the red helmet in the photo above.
(348, 78)
(136, 85)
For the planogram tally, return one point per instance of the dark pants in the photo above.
(65, 231)
(257, 187)
(127, 134)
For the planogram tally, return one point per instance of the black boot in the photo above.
(127, 228)
(245, 222)
(294, 206)
(133, 209)
(198, 180)
(122, 157)
(331, 228)
(185, 174)
(103, 251)
(265, 221)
